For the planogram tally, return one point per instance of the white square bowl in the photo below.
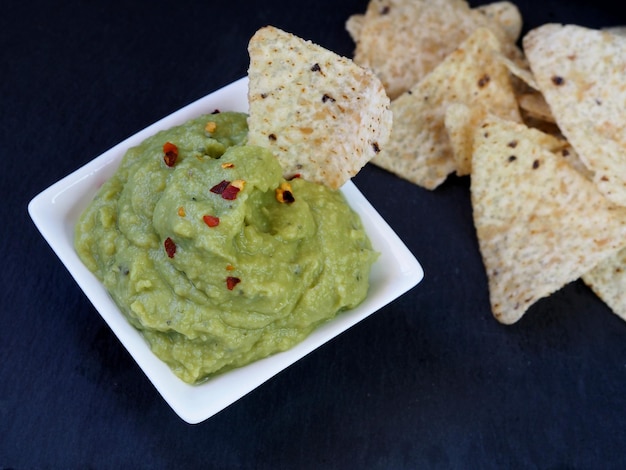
(56, 210)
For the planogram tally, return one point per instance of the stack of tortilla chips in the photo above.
(540, 130)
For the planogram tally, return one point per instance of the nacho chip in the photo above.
(460, 121)
(539, 223)
(608, 281)
(403, 40)
(323, 116)
(521, 71)
(419, 148)
(535, 105)
(619, 30)
(354, 24)
(507, 15)
(581, 72)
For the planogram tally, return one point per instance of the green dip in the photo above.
(213, 293)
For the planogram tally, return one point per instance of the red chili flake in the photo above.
(220, 187)
(170, 247)
(293, 177)
(284, 193)
(171, 154)
(227, 189)
(230, 192)
(211, 220)
(231, 282)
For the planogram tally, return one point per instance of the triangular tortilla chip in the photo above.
(354, 24)
(419, 149)
(460, 121)
(322, 115)
(539, 223)
(535, 105)
(403, 40)
(505, 14)
(582, 75)
(608, 281)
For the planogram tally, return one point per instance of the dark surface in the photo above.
(432, 380)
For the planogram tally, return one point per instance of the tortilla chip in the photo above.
(419, 148)
(507, 15)
(581, 72)
(354, 24)
(323, 116)
(619, 30)
(460, 121)
(608, 281)
(535, 105)
(521, 71)
(403, 40)
(539, 223)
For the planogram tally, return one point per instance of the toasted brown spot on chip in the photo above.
(558, 80)
(484, 81)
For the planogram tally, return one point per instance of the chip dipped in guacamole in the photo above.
(215, 257)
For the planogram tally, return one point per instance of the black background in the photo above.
(430, 381)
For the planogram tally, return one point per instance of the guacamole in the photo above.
(213, 256)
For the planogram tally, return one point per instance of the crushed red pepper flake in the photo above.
(231, 191)
(231, 282)
(181, 211)
(230, 267)
(284, 193)
(170, 247)
(220, 187)
(210, 126)
(170, 152)
(228, 190)
(228, 165)
(211, 220)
